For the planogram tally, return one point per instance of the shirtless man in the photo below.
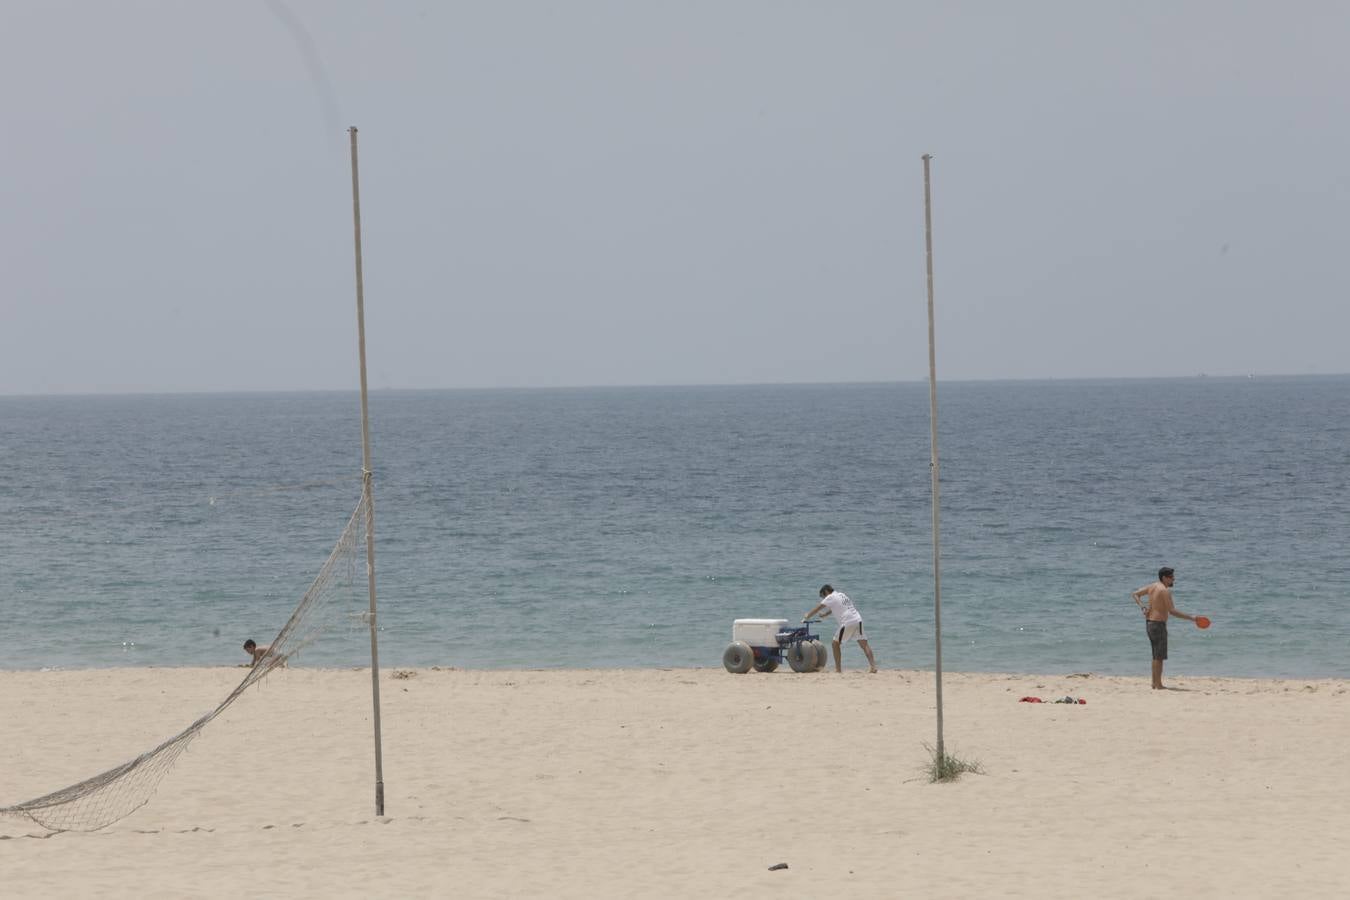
(1156, 611)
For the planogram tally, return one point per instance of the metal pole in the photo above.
(367, 479)
(933, 459)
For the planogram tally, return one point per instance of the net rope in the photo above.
(113, 795)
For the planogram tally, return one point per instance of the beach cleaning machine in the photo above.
(761, 644)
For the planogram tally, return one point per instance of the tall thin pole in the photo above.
(367, 479)
(933, 459)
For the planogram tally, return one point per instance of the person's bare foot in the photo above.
(872, 671)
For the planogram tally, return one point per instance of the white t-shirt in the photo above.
(842, 608)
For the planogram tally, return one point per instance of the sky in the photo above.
(645, 192)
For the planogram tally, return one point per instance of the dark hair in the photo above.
(1164, 572)
(250, 644)
(826, 591)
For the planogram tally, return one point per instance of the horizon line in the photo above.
(653, 385)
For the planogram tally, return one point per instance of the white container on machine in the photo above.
(758, 632)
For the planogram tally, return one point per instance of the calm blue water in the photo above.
(630, 526)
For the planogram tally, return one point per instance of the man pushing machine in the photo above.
(850, 625)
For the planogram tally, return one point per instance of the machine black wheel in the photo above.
(738, 657)
(767, 664)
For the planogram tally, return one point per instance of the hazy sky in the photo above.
(584, 193)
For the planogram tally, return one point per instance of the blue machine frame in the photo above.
(788, 637)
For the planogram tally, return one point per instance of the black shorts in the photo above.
(1157, 637)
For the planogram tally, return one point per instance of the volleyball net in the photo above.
(113, 795)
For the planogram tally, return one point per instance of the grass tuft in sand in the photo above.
(944, 766)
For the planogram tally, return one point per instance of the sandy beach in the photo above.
(685, 783)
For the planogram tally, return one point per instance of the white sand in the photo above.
(685, 783)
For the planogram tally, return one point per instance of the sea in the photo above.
(629, 527)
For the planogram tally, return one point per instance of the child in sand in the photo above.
(252, 649)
